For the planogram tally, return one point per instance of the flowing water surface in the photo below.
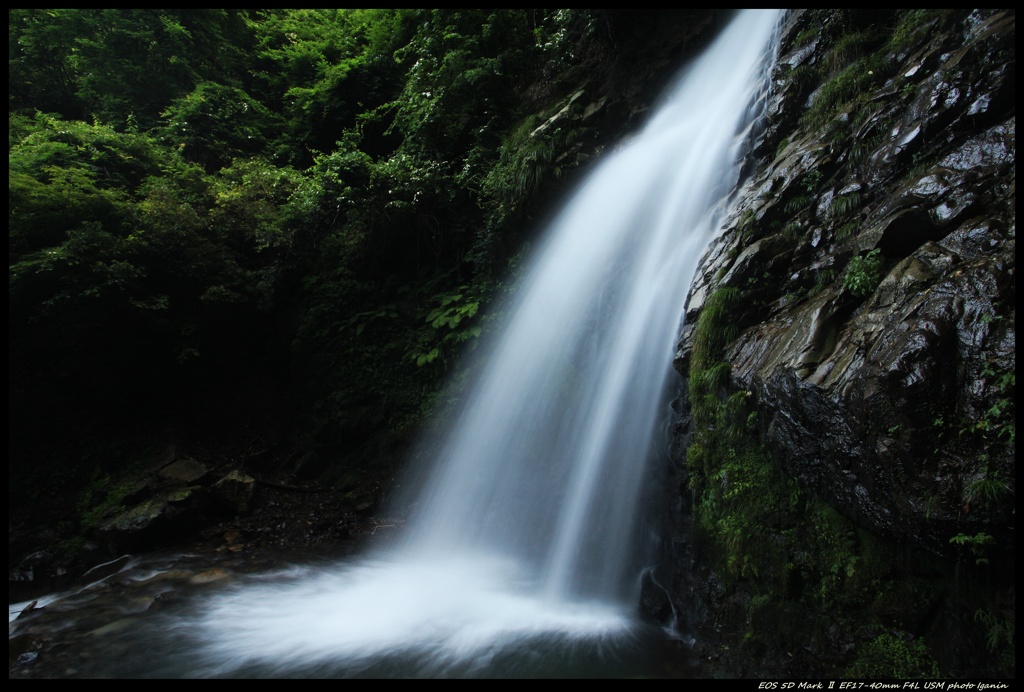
(523, 552)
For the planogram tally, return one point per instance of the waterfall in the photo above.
(528, 522)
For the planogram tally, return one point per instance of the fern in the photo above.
(797, 204)
(844, 204)
(847, 231)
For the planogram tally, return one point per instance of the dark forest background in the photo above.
(272, 232)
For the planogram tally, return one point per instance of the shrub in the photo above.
(863, 274)
(891, 657)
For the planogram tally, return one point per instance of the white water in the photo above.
(527, 526)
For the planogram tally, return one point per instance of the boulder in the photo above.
(235, 491)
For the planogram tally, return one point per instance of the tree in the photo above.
(122, 66)
(215, 124)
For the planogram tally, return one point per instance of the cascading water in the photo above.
(525, 543)
(545, 463)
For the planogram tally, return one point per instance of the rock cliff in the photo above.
(869, 268)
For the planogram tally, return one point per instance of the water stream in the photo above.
(527, 536)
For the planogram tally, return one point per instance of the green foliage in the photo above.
(216, 123)
(804, 77)
(847, 231)
(891, 657)
(793, 231)
(823, 278)
(461, 63)
(101, 500)
(381, 349)
(851, 47)
(913, 27)
(72, 188)
(797, 204)
(782, 146)
(328, 71)
(122, 258)
(333, 185)
(747, 227)
(62, 174)
(251, 204)
(403, 210)
(714, 328)
(843, 205)
(1000, 631)
(452, 321)
(837, 559)
(863, 273)
(847, 85)
(350, 349)
(862, 146)
(985, 491)
(805, 36)
(522, 166)
(998, 423)
(978, 545)
(859, 58)
(121, 66)
(811, 181)
(199, 197)
(740, 495)
(744, 503)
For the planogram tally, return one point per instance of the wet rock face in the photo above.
(891, 395)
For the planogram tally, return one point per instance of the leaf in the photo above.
(425, 358)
